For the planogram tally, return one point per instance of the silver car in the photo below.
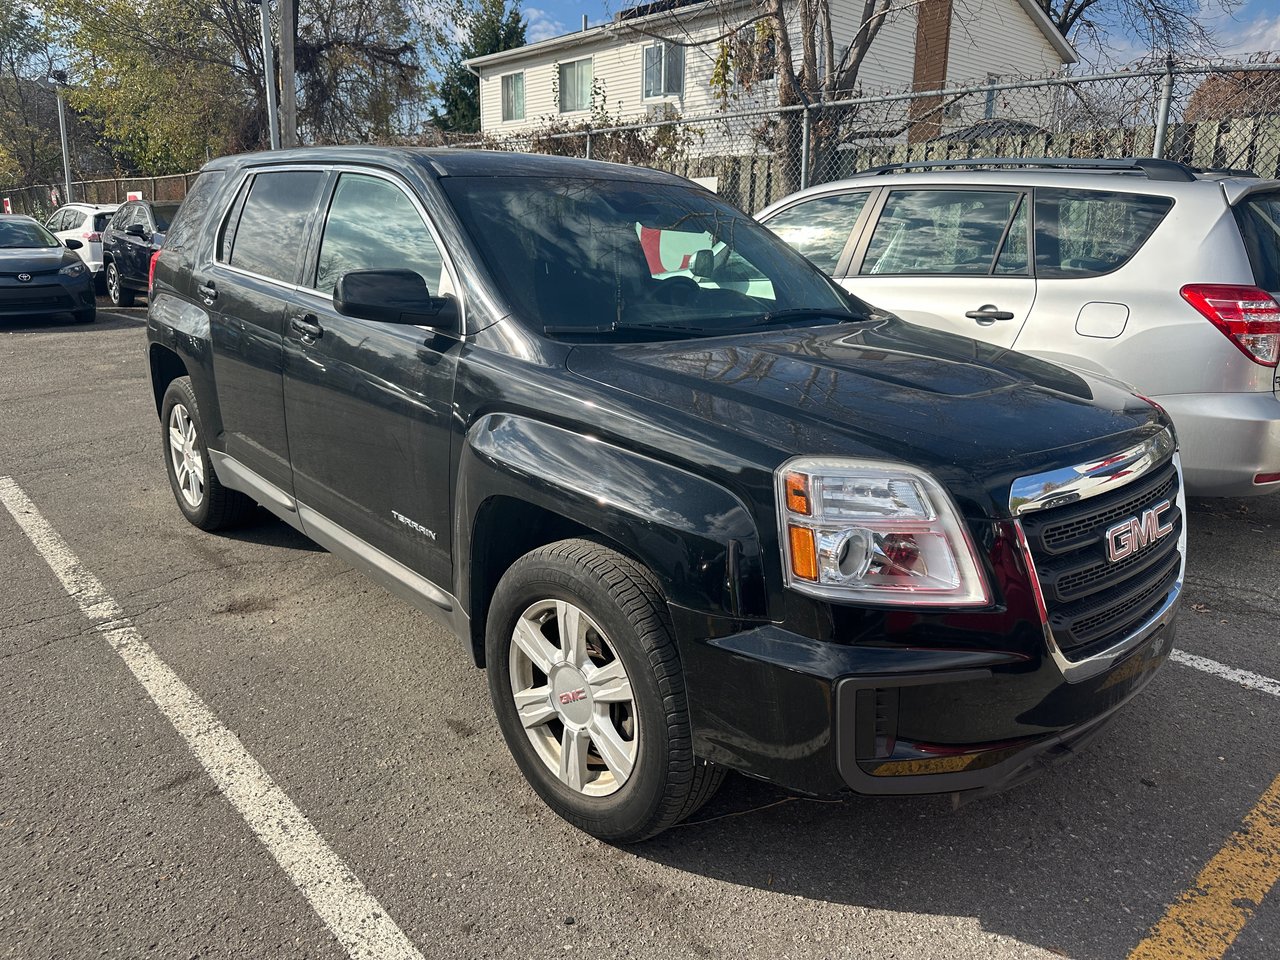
(1147, 271)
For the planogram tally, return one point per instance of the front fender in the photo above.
(696, 537)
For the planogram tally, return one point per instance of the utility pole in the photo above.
(59, 78)
(288, 86)
(269, 73)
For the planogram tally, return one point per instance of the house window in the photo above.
(513, 96)
(663, 70)
(575, 86)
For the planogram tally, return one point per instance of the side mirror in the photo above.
(393, 296)
(71, 243)
(135, 230)
(703, 265)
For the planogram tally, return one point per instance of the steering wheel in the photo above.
(677, 291)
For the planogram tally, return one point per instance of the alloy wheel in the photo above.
(573, 698)
(184, 454)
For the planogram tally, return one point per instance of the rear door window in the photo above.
(819, 228)
(272, 228)
(942, 233)
(1259, 219)
(100, 221)
(1086, 233)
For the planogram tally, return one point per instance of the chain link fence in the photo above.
(1209, 114)
(40, 201)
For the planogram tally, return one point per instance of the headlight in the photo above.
(874, 532)
(72, 270)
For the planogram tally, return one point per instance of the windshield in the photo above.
(623, 260)
(17, 234)
(163, 213)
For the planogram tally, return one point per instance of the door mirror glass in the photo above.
(72, 244)
(704, 264)
(135, 230)
(393, 296)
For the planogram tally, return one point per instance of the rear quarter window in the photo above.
(1259, 220)
(187, 223)
(1087, 233)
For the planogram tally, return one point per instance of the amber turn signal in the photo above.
(797, 487)
(804, 553)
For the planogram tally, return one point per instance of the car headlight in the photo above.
(72, 270)
(874, 532)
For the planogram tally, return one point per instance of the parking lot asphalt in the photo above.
(123, 833)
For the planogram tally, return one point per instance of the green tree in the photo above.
(171, 81)
(29, 147)
(492, 26)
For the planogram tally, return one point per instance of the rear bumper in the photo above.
(1226, 440)
(826, 718)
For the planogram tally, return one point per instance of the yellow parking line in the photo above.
(1206, 919)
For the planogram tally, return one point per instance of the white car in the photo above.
(84, 222)
(1148, 271)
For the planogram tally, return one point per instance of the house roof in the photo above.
(631, 17)
(691, 8)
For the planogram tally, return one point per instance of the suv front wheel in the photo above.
(587, 687)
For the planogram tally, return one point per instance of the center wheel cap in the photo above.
(571, 695)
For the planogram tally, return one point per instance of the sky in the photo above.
(1254, 26)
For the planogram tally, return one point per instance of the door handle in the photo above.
(208, 292)
(987, 314)
(307, 327)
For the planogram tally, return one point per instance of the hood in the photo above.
(884, 389)
(35, 259)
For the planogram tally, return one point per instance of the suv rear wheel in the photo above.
(201, 497)
(587, 687)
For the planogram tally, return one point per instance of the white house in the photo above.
(633, 73)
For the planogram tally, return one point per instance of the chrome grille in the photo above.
(1093, 603)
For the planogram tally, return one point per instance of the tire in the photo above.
(120, 295)
(86, 316)
(601, 731)
(202, 499)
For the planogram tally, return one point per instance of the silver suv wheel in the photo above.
(184, 451)
(573, 698)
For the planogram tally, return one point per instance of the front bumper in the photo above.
(824, 719)
(45, 294)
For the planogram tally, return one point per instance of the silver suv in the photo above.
(1149, 271)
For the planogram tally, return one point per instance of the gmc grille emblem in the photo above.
(1137, 533)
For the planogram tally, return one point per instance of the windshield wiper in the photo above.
(802, 313)
(569, 329)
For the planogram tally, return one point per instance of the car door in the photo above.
(254, 269)
(115, 237)
(955, 259)
(368, 404)
(821, 228)
(137, 247)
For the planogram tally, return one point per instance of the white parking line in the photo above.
(1254, 681)
(334, 892)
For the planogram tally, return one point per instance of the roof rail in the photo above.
(1153, 168)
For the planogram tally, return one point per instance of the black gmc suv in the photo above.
(691, 505)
